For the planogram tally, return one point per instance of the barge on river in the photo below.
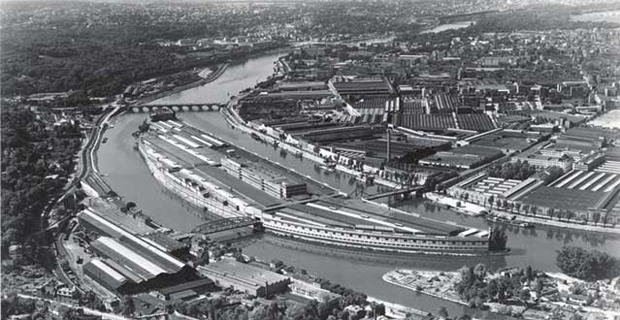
(199, 167)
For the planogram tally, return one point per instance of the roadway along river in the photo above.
(128, 176)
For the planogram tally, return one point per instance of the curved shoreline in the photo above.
(160, 95)
(386, 279)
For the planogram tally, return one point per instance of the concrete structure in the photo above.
(549, 157)
(368, 226)
(273, 184)
(245, 278)
(102, 273)
(131, 259)
(465, 157)
(590, 161)
(186, 290)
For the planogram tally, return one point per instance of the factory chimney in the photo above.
(389, 141)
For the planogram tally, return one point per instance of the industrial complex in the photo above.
(232, 182)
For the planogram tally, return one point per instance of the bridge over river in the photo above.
(181, 107)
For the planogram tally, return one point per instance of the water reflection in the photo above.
(363, 270)
(539, 244)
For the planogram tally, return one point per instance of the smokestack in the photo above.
(389, 140)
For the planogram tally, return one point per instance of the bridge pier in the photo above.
(174, 107)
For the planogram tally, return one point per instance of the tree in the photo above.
(443, 312)
(580, 263)
(128, 306)
(491, 200)
(380, 309)
(492, 289)
(480, 271)
(517, 206)
(596, 217)
(144, 127)
(524, 296)
(497, 240)
(529, 273)
(538, 288)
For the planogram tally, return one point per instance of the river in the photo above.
(128, 176)
(237, 77)
(449, 26)
(604, 16)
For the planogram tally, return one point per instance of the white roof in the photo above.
(131, 255)
(209, 144)
(186, 141)
(135, 239)
(108, 270)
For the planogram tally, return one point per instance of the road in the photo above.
(88, 167)
(90, 311)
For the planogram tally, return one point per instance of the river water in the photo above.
(449, 26)
(128, 176)
(237, 77)
(604, 16)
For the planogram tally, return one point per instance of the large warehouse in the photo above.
(143, 263)
(245, 277)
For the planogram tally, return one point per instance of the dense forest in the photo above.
(587, 265)
(36, 162)
(539, 19)
(100, 57)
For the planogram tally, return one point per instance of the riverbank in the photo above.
(442, 285)
(474, 210)
(128, 175)
(436, 284)
(234, 119)
(212, 77)
(467, 208)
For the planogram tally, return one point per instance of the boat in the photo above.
(104, 140)
(512, 221)
(255, 136)
(368, 180)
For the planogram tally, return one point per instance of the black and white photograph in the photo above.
(310, 159)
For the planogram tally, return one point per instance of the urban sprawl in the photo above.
(487, 109)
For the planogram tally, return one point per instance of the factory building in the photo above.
(362, 86)
(245, 277)
(270, 182)
(143, 262)
(187, 290)
(105, 275)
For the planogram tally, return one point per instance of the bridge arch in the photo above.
(215, 107)
(205, 108)
(135, 109)
(145, 109)
(175, 108)
(195, 108)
